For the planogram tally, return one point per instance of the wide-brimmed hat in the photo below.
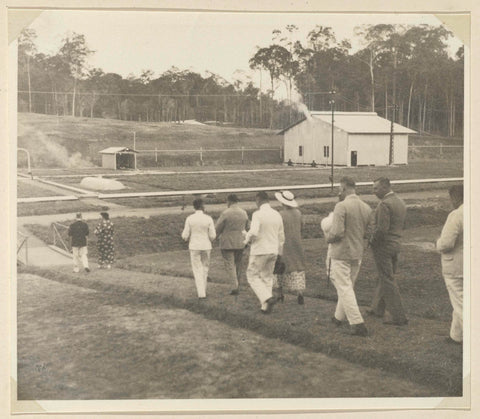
(286, 198)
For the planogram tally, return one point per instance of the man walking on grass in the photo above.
(389, 222)
(78, 232)
(199, 231)
(230, 228)
(266, 236)
(450, 245)
(346, 238)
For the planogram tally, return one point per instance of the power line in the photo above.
(134, 94)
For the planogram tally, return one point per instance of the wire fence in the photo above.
(209, 156)
(441, 152)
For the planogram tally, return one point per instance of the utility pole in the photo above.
(391, 153)
(135, 149)
(332, 105)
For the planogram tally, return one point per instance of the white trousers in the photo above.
(200, 260)
(455, 291)
(80, 257)
(260, 276)
(343, 274)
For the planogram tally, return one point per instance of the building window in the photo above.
(326, 151)
(300, 150)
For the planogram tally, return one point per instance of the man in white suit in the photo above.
(199, 231)
(267, 237)
(450, 245)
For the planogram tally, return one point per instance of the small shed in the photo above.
(119, 158)
(360, 138)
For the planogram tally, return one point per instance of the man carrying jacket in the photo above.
(450, 245)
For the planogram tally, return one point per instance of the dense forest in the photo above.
(401, 72)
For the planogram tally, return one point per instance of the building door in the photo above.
(353, 158)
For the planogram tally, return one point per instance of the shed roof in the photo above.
(357, 123)
(115, 150)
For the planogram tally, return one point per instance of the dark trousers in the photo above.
(387, 294)
(232, 259)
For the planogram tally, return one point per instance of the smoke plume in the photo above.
(48, 153)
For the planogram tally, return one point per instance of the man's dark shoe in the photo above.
(270, 303)
(87, 270)
(396, 323)
(300, 300)
(454, 342)
(359, 330)
(336, 322)
(234, 292)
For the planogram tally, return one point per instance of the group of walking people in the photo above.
(277, 260)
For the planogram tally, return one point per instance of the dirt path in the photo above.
(121, 211)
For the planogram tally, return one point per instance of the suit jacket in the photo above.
(266, 232)
(450, 244)
(78, 231)
(351, 218)
(389, 222)
(199, 230)
(232, 222)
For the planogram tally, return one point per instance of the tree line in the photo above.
(400, 72)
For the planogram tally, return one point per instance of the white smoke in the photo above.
(48, 153)
(303, 108)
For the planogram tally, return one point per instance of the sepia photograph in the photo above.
(240, 206)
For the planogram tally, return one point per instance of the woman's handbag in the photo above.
(279, 268)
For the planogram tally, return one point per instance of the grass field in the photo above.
(154, 245)
(53, 141)
(25, 190)
(183, 181)
(120, 350)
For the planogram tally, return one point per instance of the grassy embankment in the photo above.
(120, 350)
(53, 141)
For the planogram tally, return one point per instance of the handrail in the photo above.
(57, 237)
(23, 244)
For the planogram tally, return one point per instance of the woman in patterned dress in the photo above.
(104, 233)
(293, 279)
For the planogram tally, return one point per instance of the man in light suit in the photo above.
(346, 238)
(230, 228)
(450, 245)
(199, 231)
(267, 238)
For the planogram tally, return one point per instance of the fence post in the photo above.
(441, 149)
(243, 150)
(156, 155)
(281, 154)
(201, 156)
(26, 251)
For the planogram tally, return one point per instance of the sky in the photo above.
(129, 42)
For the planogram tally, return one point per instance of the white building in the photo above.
(360, 138)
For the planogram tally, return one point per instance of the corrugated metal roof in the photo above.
(113, 150)
(361, 122)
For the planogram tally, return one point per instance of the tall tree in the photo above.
(75, 52)
(26, 50)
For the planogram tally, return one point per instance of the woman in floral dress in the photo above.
(293, 279)
(104, 233)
